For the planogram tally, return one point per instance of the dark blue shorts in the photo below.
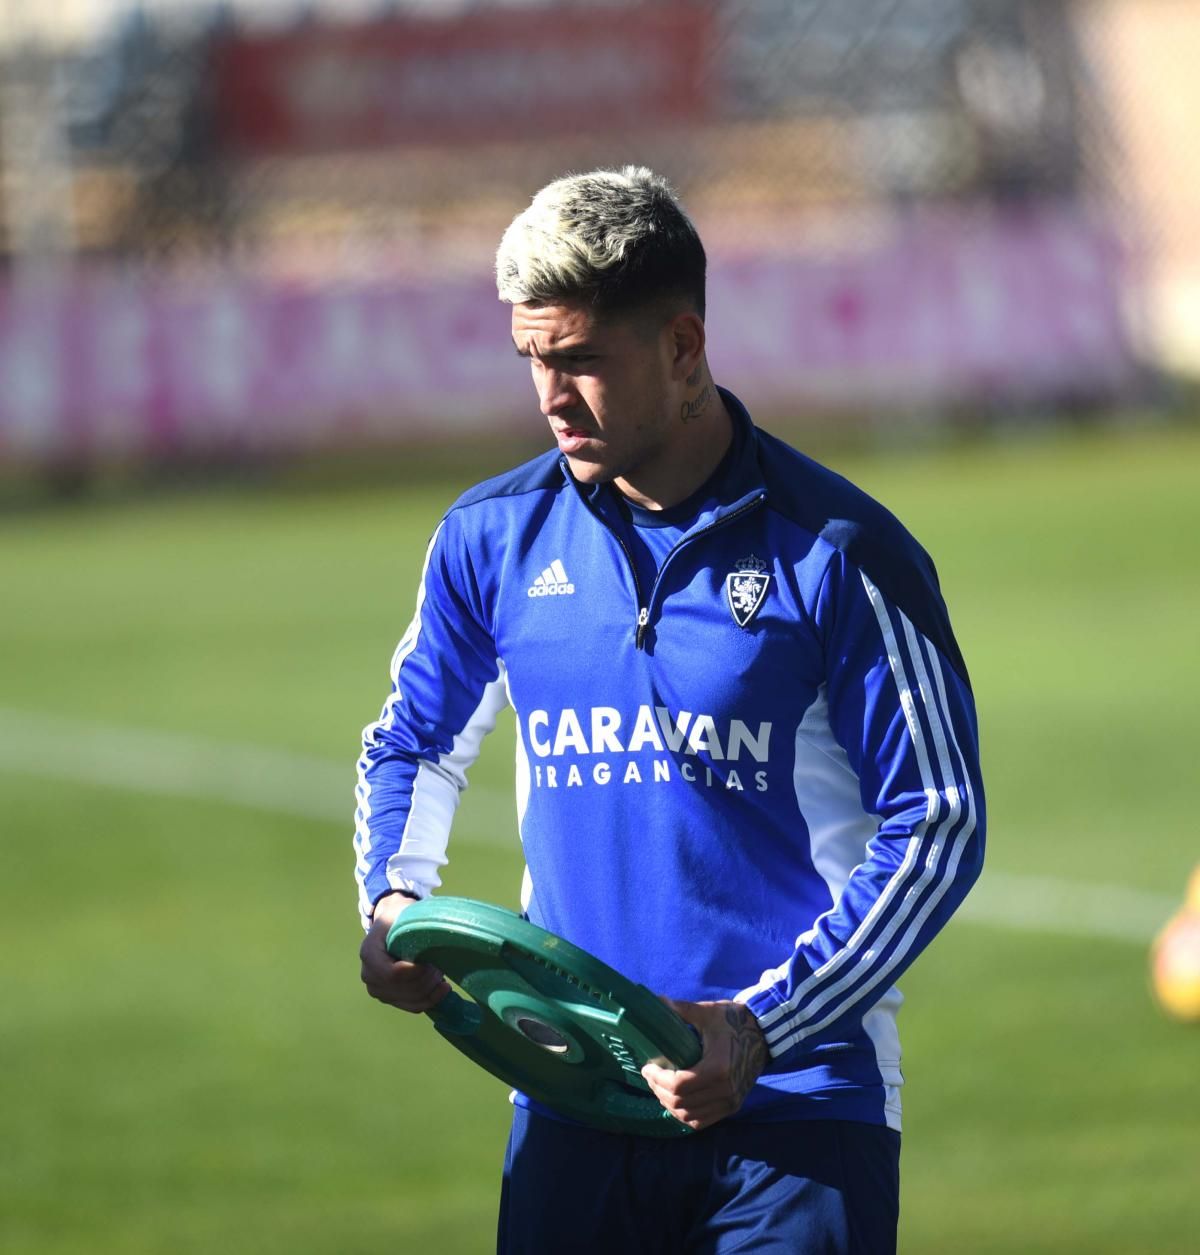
(820, 1187)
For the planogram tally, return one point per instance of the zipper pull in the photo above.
(643, 621)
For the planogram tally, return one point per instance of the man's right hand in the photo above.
(412, 987)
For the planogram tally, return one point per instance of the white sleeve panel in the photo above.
(436, 791)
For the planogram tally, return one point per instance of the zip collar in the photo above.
(737, 489)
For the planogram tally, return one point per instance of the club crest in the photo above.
(746, 589)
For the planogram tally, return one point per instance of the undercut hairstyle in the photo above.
(617, 240)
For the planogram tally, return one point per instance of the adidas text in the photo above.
(552, 582)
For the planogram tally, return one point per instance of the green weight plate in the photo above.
(545, 1016)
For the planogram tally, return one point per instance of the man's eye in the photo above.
(567, 362)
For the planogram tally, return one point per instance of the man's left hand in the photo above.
(734, 1054)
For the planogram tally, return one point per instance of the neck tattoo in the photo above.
(693, 409)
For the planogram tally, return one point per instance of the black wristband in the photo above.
(404, 893)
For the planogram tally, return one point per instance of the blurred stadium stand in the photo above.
(269, 226)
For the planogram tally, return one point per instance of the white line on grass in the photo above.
(1070, 907)
(172, 764)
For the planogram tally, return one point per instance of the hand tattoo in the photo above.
(747, 1051)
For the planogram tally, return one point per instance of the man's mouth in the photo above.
(571, 439)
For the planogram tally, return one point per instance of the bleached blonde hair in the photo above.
(618, 239)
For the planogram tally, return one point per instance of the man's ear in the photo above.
(687, 345)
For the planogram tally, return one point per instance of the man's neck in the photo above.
(704, 434)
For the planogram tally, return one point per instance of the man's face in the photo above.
(606, 387)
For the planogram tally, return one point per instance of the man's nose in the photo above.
(556, 392)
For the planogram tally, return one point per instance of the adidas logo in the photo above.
(552, 582)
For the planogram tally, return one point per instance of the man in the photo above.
(747, 768)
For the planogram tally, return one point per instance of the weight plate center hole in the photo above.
(541, 1034)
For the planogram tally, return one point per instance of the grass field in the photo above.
(187, 1061)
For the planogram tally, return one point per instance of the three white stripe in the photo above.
(362, 819)
(783, 1026)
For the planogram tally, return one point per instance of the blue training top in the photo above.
(747, 761)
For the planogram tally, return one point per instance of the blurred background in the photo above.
(249, 352)
(259, 229)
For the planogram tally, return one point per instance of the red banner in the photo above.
(493, 75)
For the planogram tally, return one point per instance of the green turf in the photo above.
(187, 1061)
